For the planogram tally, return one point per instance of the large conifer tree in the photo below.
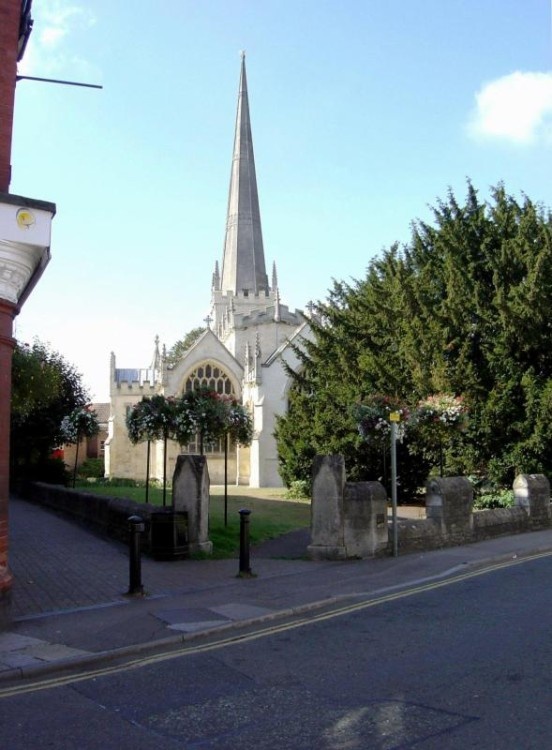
(464, 308)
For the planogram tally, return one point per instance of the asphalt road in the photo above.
(453, 665)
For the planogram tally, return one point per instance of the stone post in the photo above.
(349, 519)
(366, 530)
(191, 495)
(327, 527)
(532, 493)
(449, 502)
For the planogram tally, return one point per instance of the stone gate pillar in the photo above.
(532, 493)
(349, 519)
(191, 495)
(327, 524)
(366, 527)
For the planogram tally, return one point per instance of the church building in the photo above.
(241, 352)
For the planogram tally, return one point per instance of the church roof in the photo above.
(300, 331)
(102, 412)
(243, 265)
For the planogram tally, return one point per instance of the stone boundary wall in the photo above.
(341, 529)
(450, 519)
(106, 515)
(425, 534)
(346, 515)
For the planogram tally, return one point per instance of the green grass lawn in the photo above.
(271, 514)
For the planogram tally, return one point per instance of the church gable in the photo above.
(206, 352)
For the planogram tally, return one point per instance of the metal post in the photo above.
(164, 470)
(245, 569)
(225, 479)
(394, 487)
(135, 526)
(148, 470)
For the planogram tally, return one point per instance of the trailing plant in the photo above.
(153, 418)
(79, 424)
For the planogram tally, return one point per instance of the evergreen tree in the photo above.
(178, 349)
(462, 309)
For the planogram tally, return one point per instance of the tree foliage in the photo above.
(463, 309)
(178, 349)
(45, 389)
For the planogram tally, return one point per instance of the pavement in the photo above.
(70, 609)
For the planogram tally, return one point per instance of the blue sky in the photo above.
(364, 113)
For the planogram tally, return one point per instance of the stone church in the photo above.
(241, 352)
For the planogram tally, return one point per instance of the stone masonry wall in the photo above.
(106, 515)
(342, 529)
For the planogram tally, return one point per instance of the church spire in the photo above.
(243, 264)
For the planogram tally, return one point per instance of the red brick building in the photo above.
(24, 248)
(15, 27)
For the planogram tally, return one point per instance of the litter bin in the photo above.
(169, 535)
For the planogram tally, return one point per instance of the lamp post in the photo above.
(25, 230)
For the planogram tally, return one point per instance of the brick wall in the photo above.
(7, 313)
(9, 35)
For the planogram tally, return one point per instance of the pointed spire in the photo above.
(274, 277)
(243, 264)
(156, 361)
(247, 357)
(256, 365)
(277, 307)
(216, 277)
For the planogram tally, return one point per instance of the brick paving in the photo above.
(58, 564)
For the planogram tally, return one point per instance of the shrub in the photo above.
(50, 470)
(494, 499)
(92, 467)
(298, 490)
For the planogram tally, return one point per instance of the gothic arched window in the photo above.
(209, 375)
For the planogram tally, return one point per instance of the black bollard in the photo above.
(245, 569)
(135, 526)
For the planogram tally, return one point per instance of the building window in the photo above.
(212, 376)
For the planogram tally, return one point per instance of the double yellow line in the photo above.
(190, 647)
